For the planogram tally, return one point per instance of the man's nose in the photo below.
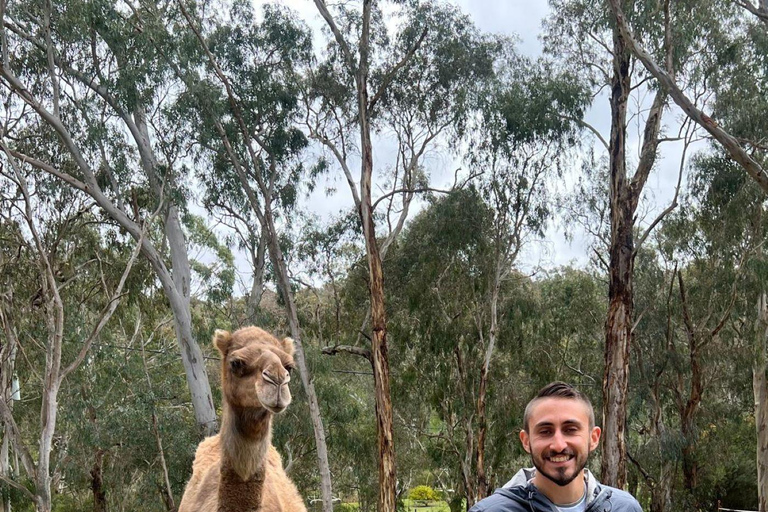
(558, 443)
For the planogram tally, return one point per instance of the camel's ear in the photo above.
(288, 346)
(221, 339)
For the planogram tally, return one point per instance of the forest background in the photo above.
(160, 168)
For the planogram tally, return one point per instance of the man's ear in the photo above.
(594, 438)
(288, 346)
(525, 440)
(222, 339)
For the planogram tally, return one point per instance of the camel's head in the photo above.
(255, 369)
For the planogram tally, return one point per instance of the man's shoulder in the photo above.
(622, 501)
(500, 501)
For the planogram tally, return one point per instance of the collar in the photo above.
(524, 477)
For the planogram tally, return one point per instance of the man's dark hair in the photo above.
(559, 389)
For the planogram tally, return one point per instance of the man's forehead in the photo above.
(558, 410)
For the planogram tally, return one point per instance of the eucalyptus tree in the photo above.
(760, 10)
(444, 268)
(731, 231)
(94, 75)
(415, 83)
(585, 39)
(749, 152)
(76, 297)
(519, 146)
(247, 84)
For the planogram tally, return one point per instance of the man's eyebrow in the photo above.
(566, 422)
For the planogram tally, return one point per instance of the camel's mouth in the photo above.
(276, 409)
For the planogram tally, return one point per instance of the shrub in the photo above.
(423, 493)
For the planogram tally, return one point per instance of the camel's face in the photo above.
(256, 368)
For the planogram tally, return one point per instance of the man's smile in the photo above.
(560, 458)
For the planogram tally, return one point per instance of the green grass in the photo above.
(410, 506)
(431, 506)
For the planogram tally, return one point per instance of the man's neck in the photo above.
(557, 494)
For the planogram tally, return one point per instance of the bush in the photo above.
(423, 493)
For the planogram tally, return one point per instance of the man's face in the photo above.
(559, 438)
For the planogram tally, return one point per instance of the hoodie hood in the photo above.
(522, 491)
(523, 477)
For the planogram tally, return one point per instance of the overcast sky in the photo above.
(522, 19)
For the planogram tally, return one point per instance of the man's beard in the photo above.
(559, 476)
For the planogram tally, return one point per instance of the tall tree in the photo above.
(248, 129)
(596, 36)
(54, 249)
(107, 78)
(424, 82)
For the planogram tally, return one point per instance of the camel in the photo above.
(238, 470)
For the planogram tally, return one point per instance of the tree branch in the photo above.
(20, 487)
(671, 206)
(323, 8)
(358, 351)
(761, 12)
(397, 67)
(729, 143)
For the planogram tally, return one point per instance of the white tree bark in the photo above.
(55, 373)
(175, 281)
(760, 390)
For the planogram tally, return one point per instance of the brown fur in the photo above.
(239, 470)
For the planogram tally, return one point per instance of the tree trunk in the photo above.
(379, 350)
(7, 368)
(257, 284)
(191, 354)
(661, 493)
(661, 489)
(481, 490)
(283, 281)
(178, 289)
(760, 389)
(618, 325)
(97, 483)
(688, 429)
(380, 362)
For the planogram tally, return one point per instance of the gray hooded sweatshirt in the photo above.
(520, 495)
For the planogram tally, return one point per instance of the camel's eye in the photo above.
(238, 366)
(289, 368)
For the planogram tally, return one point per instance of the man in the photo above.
(559, 432)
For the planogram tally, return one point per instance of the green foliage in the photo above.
(423, 493)
(513, 121)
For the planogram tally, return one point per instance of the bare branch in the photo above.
(672, 205)
(108, 311)
(348, 58)
(588, 126)
(358, 351)
(761, 12)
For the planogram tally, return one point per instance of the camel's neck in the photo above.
(246, 435)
